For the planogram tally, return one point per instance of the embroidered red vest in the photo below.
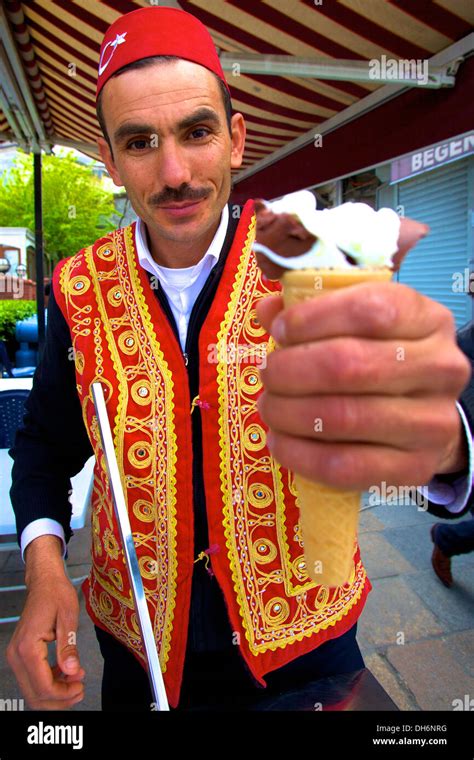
(122, 338)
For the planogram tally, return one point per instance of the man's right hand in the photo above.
(51, 613)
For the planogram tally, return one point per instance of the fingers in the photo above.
(48, 617)
(66, 647)
(267, 309)
(353, 466)
(405, 423)
(43, 689)
(359, 366)
(411, 232)
(372, 310)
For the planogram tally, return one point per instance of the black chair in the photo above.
(6, 367)
(12, 410)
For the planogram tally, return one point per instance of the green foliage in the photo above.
(76, 208)
(12, 312)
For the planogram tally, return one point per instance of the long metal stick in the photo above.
(154, 668)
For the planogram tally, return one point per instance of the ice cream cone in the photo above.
(329, 516)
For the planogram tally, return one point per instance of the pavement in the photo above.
(416, 636)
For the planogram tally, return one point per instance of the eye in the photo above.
(138, 145)
(199, 133)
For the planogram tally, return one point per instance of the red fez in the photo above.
(156, 31)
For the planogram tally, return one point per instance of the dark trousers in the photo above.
(455, 539)
(219, 680)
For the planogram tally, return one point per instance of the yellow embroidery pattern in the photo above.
(145, 442)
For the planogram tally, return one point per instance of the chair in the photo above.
(12, 410)
(7, 368)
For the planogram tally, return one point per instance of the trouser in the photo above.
(218, 680)
(455, 539)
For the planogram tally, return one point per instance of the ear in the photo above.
(107, 158)
(238, 131)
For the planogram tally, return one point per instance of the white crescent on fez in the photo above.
(119, 40)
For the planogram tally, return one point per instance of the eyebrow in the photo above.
(202, 114)
(134, 128)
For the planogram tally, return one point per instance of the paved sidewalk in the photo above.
(417, 637)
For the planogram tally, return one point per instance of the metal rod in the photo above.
(141, 607)
(39, 251)
(400, 71)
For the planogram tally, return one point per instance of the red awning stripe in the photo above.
(284, 85)
(374, 32)
(74, 101)
(123, 6)
(215, 22)
(95, 21)
(431, 14)
(289, 113)
(66, 35)
(65, 54)
(283, 21)
(71, 123)
(72, 87)
(68, 108)
(26, 52)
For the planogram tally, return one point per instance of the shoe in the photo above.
(441, 562)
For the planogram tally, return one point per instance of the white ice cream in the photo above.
(369, 237)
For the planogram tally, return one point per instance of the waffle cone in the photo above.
(329, 517)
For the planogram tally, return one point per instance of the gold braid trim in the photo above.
(172, 449)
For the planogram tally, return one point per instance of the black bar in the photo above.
(39, 252)
(327, 735)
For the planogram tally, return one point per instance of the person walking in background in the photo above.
(457, 538)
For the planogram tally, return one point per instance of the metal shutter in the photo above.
(440, 198)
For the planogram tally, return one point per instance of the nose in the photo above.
(173, 167)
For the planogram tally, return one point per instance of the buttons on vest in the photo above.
(114, 296)
(141, 392)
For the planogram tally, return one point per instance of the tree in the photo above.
(76, 208)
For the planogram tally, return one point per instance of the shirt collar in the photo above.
(210, 258)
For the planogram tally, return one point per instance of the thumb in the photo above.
(267, 309)
(66, 644)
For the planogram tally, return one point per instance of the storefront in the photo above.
(436, 185)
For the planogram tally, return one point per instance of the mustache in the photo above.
(178, 194)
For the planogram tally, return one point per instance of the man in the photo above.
(158, 312)
(452, 539)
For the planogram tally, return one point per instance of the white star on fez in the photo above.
(119, 39)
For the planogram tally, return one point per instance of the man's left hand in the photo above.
(362, 387)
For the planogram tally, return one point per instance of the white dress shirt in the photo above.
(182, 286)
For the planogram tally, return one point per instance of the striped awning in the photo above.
(58, 43)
